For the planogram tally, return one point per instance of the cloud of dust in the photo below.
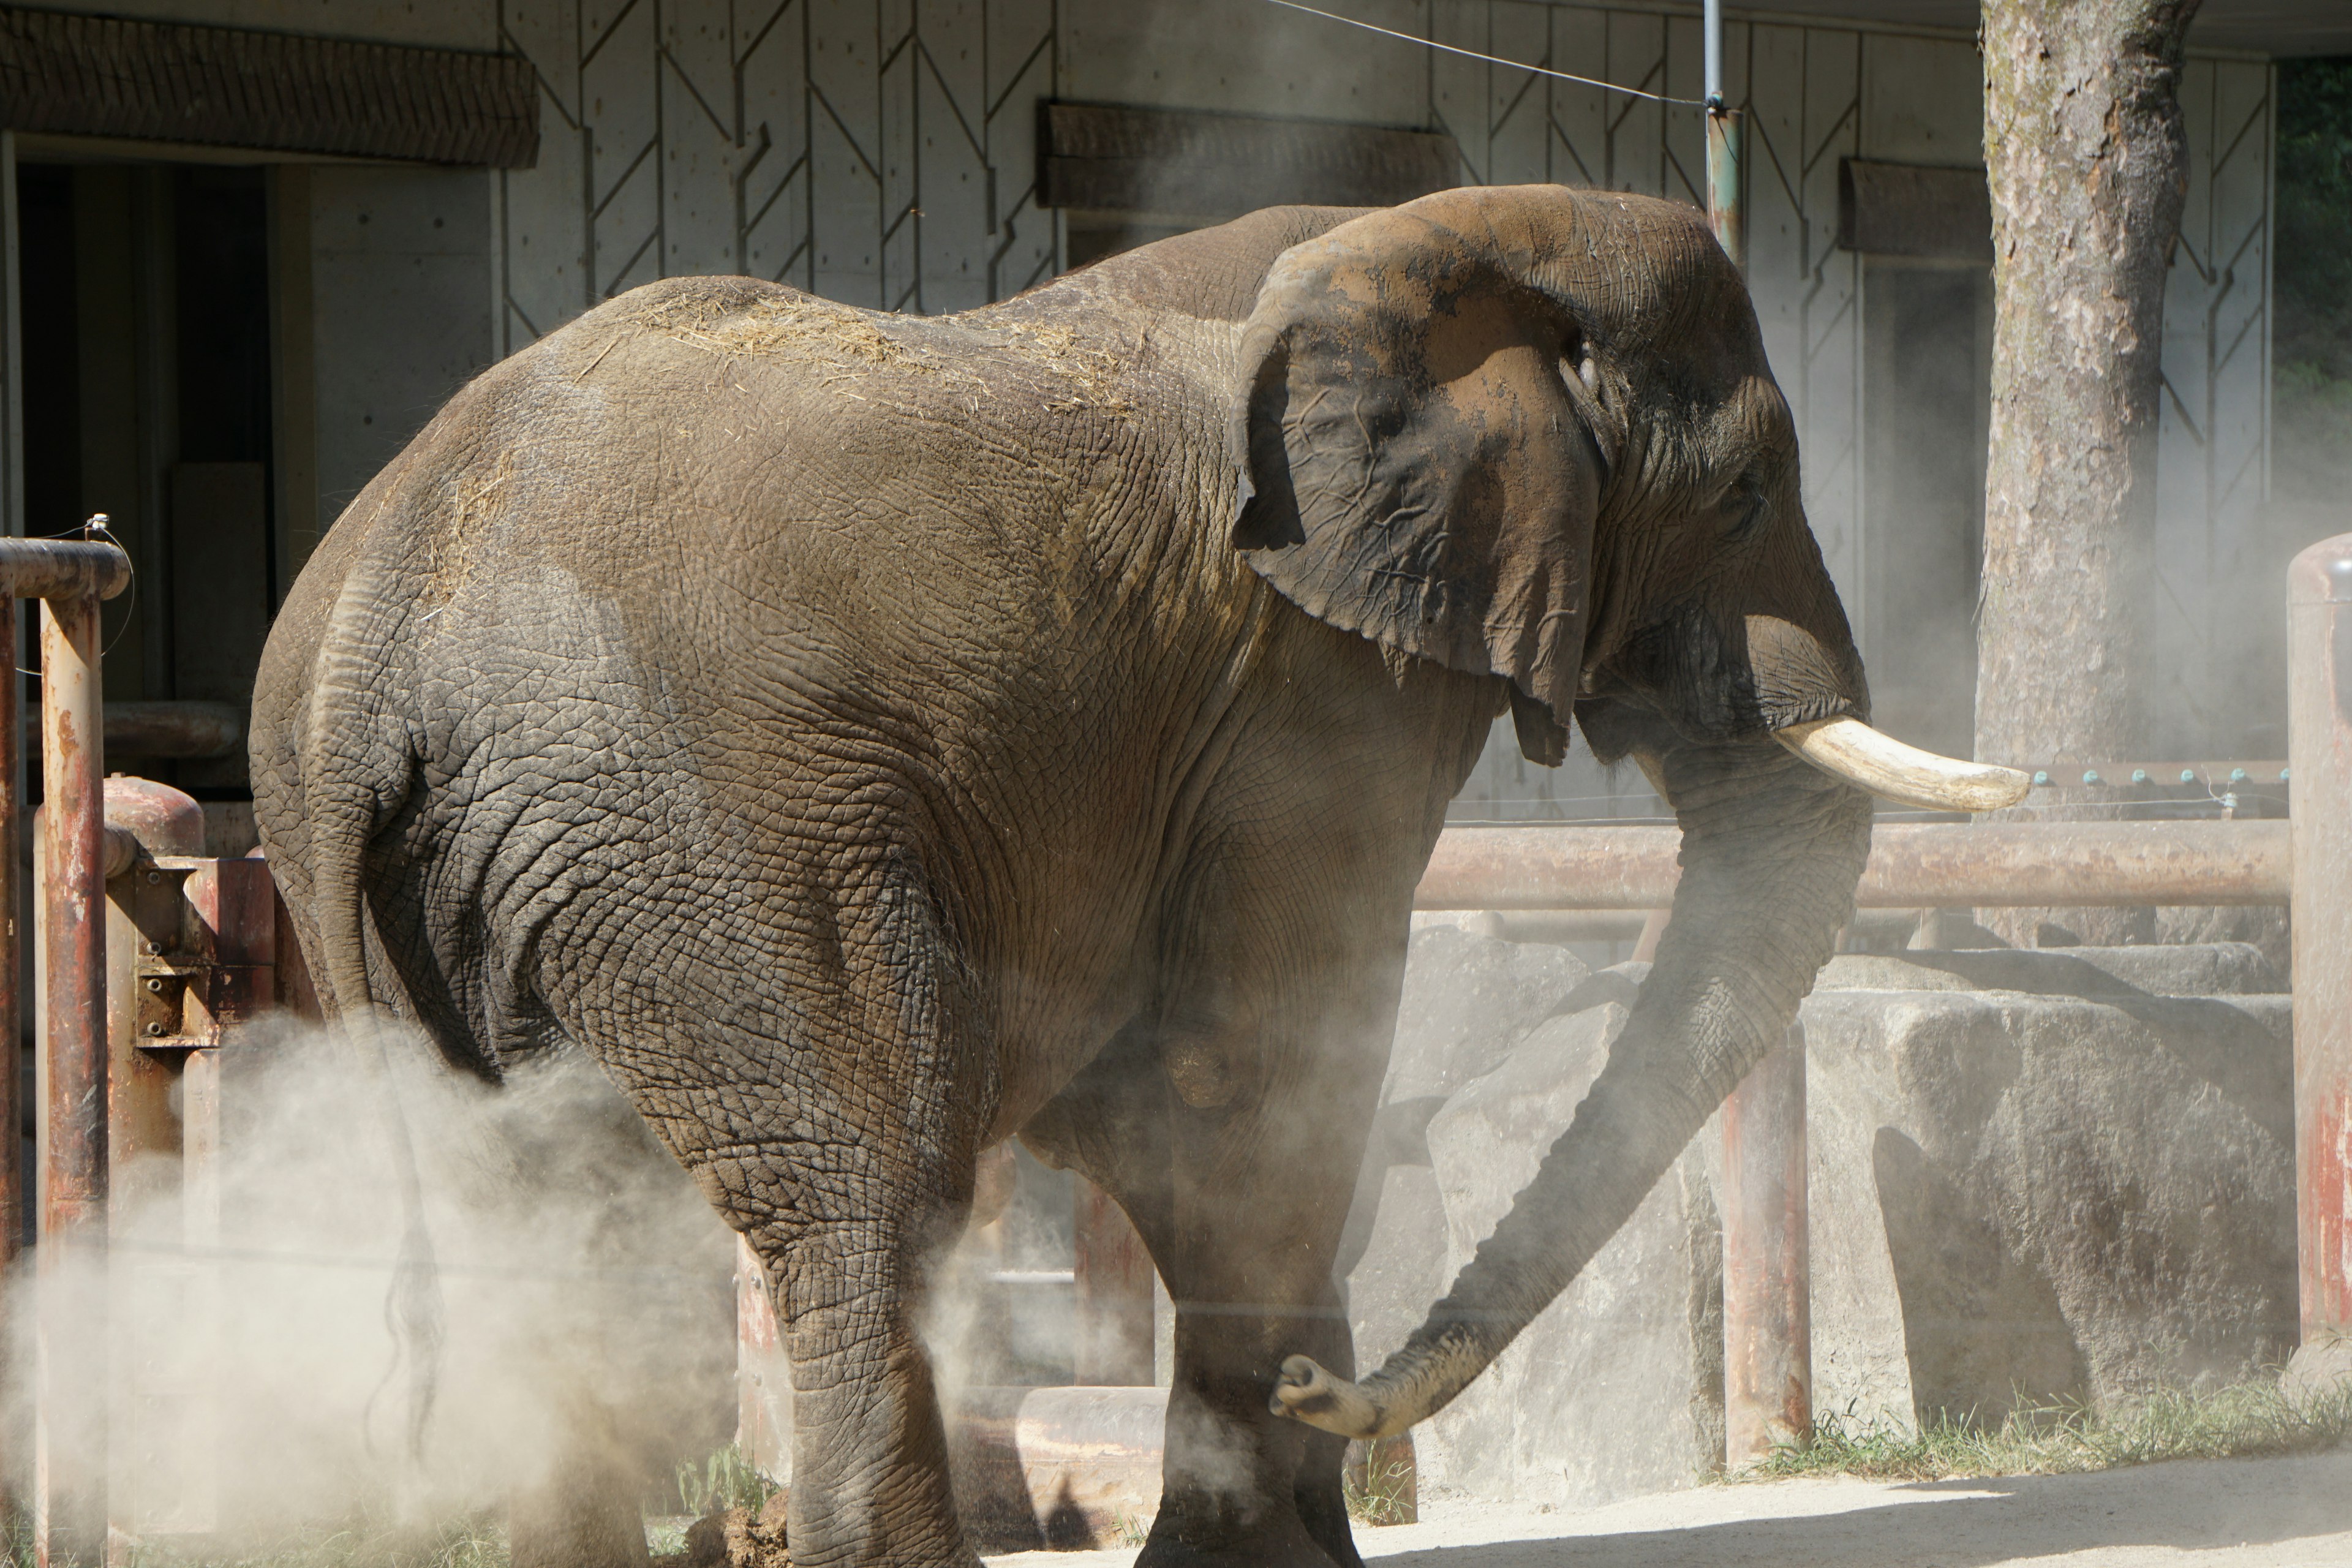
(256, 1383)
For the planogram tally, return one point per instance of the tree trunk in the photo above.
(2088, 165)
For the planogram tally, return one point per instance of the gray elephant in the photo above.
(872, 738)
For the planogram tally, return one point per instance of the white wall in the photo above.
(879, 152)
(400, 277)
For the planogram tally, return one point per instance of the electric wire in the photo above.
(1492, 59)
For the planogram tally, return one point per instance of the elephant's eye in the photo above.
(1745, 505)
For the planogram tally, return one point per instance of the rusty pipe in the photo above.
(62, 569)
(175, 729)
(1767, 1336)
(12, 1191)
(70, 1501)
(1912, 865)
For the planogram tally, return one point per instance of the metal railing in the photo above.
(71, 578)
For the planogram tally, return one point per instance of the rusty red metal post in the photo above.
(12, 1013)
(1114, 1276)
(764, 1381)
(2320, 754)
(69, 1478)
(1767, 1344)
(1768, 1324)
(69, 1461)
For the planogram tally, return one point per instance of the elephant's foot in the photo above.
(1278, 1540)
(1322, 1501)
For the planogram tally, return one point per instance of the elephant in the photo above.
(871, 738)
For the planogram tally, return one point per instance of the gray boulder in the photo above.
(2046, 1197)
(1402, 1268)
(2209, 969)
(1617, 1388)
(1467, 1000)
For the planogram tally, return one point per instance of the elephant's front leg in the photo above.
(1259, 1204)
(1233, 1145)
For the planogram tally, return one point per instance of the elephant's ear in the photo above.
(1414, 465)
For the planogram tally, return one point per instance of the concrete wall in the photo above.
(881, 153)
(401, 309)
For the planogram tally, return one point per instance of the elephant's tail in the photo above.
(347, 789)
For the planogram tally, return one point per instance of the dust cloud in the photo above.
(258, 1387)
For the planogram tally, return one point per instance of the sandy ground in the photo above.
(2209, 1513)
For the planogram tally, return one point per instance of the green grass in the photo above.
(2242, 1421)
(1381, 1491)
(727, 1479)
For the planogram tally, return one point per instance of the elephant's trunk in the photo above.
(1771, 851)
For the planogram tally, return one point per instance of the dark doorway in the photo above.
(1928, 359)
(145, 298)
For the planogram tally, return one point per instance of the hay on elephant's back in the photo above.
(796, 323)
(774, 323)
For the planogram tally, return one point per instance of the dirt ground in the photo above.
(2235, 1512)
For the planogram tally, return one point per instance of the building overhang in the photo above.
(232, 88)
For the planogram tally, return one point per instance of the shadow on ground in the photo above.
(2204, 1512)
(2268, 1511)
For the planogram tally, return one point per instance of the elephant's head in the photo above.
(1531, 432)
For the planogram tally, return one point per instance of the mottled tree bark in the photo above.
(2088, 165)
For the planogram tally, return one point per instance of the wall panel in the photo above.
(878, 151)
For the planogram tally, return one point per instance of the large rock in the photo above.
(2046, 1197)
(1402, 1269)
(1467, 1000)
(2207, 969)
(1617, 1388)
(2060, 1174)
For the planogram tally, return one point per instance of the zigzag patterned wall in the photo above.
(878, 151)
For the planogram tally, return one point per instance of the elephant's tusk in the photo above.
(1852, 751)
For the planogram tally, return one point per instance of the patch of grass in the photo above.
(2242, 1421)
(1382, 1489)
(726, 1479)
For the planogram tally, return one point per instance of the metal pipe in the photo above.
(71, 1450)
(1768, 1334)
(62, 569)
(2319, 751)
(174, 730)
(1711, 25)
(1726, 146)
(1912, 865)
